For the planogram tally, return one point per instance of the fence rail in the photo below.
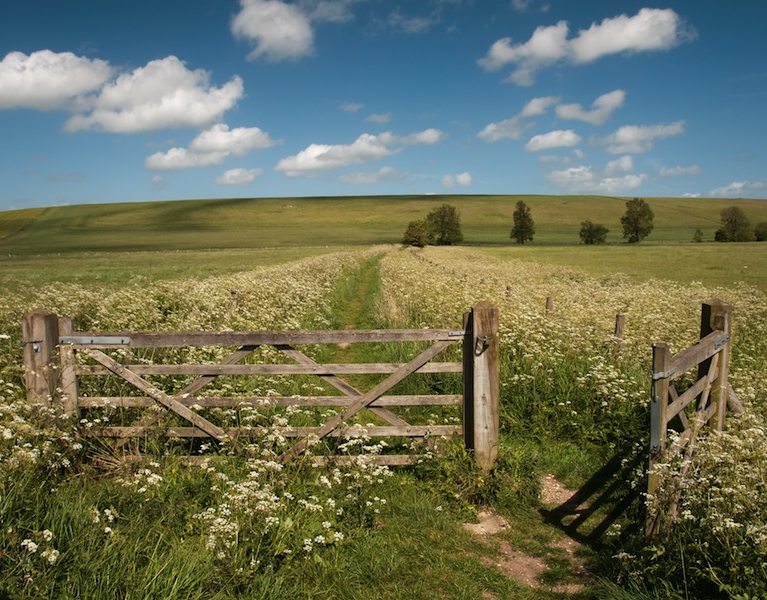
(57, 358)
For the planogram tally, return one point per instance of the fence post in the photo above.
(716, 315)
(68, 365)
(40, 335)
(661, 357)
(620, 323)
(549, 304)
(482, 384)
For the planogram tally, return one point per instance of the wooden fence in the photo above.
(707, 398)
(56, 358)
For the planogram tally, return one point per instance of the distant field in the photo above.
(712, 264)
(292, 222)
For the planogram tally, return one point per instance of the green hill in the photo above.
(296, 222)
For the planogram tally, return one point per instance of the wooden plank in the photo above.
(390, 460)
(661, 358)
(40, 335)
(167, 401)
(468, 381)
(319, 370)
(413, 431)
(698, 353)
(195, 386)
(372, 395)
(721, 320)
(681, 402)
(234, 401)
(271, 338)
(341, 385)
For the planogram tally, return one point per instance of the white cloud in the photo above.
(159, 182)
(633, 139)
(351, 107)
(366, 148)
(624, 164)
(279, 31)
(238, 176)
(211, 147)
(514, 127)
(673, 171)
(371, 177)
(379, 118)
(691, 195)
(648, 30)
(538, 106)
(410, 24)
(181, 158)
(162, 94)
(741, 189)
(560, 138)
(237, 141)
(330, 11)
(651, 29)
(47, 80)
(547, 45)
(601, 108)
(461, 179)
(583, 179)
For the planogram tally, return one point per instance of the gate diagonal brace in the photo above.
(157, 394)
(193, 387)
(341, 385)
(369, 397)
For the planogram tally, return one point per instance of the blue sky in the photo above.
(105, 101)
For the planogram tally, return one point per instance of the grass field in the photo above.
(72, 510)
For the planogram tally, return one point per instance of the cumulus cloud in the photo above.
(366, 148)
(279, 31)
(379, 118)
(238, 176)
(601, 109)
(678, 170)
(633, 139)
(461, 179)
(46, 80)
(741, 189)
(614, 178)
(162, 94)
(624, 164)
(211, 147)
(514, 127)
(237, 141)
(560, 138)
(372, 177)
(649, 30)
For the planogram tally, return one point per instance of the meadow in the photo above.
(246, 526)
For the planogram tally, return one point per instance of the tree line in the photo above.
(442, 226)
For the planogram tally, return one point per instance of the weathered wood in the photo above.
(413, 431)
(468, 381)
(661, 358)
(273, 369)
(698, 353)
(342, 385)
(40, 335)
(235, 401)
(733, 402)
(620, 324)
(166, 400)
(720, 319)
(68, 362)
(271, 338)
(391, 460)
(549, 304)
(681, 402)
(378, 391)
(486, 381)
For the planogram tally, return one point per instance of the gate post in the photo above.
(715, 315)
(67, 361)
(40, 335)
(481, 383)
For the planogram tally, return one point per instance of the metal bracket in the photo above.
(35, 344)
(95, 340)
(663, 374)
(480, 345)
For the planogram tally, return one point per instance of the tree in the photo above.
(735, 226)
(760, 231)
(416, 234)
(637, 221)
(593, 233)
(524, 227)
(697, 236)
(444, 225)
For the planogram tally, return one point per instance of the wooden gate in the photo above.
(57, 358)
(708, 396)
